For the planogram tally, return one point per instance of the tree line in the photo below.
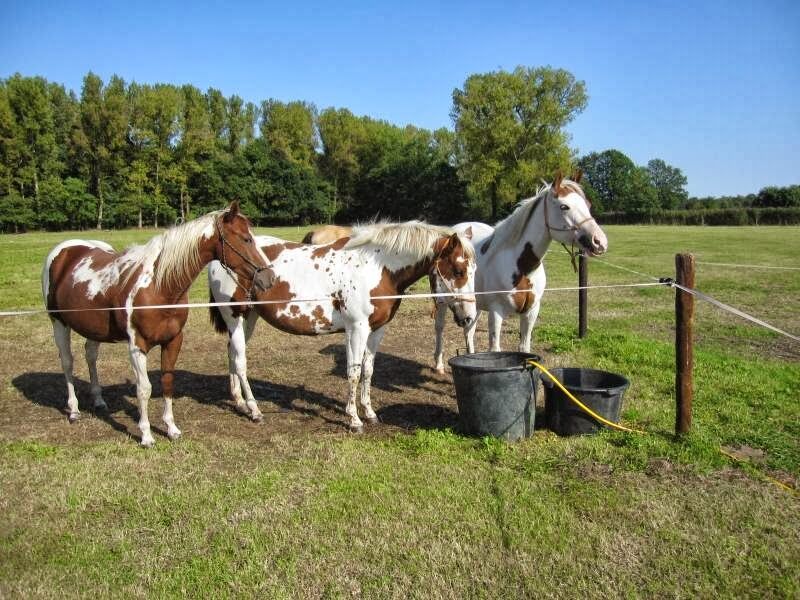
(122, 154)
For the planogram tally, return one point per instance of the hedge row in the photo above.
(713, 216)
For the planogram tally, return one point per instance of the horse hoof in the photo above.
(101, 409)
(359, 429)
(173, 435)
(148, 443)
(73, 417)
(439, 370)
(257, 418)
(372, 420)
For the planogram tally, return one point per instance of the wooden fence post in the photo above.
(583, 294)
(684, 322)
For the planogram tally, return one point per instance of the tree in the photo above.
(217, 115)
(34, 130)
(669, 183)
(153, 132)
(509, 130)
(102, 137)
(778, 196)
(290, 129)
(614, 183)
(341, 134)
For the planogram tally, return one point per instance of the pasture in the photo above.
(298, 507)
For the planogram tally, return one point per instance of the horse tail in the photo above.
(216, 316)
(308, 237)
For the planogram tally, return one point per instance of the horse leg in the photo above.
(495, 327)
(526, 323)
(61, 334)
(373, 341)
(441, 315)
(143, 389)
(92, 348)
(356, 345)
(241, 392)
(169, 356)
(469, 333)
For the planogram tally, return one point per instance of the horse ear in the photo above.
(232, 212)
(576, 177)
(468, 233)
(448, 246)
(557, 183)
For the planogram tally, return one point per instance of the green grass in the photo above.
(435, 514)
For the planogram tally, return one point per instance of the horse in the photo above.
(94, 290)
(509, 257)
(324, 289)
(327, 234)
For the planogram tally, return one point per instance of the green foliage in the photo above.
(147, 154)
(669, 182)
(710, 216)
(509, 128)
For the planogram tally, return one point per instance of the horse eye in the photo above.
(564, 207)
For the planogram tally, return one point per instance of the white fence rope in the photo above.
(716, 264)
(35, 311)
(656, 282)
(709, 299)
(735, 311)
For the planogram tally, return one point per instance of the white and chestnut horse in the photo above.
(336, 287)
(509, 257)
(95, 291)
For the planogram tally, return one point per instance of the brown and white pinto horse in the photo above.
(333, 288)
(95, 291)
(510, 255)
(327, 234)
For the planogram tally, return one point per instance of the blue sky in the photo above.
(710, 87)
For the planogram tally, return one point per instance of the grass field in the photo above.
(308, 510)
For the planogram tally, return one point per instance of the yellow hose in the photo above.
(580, 404)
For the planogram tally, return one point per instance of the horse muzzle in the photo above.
(462, 321)
(263, 279)
(595, 244)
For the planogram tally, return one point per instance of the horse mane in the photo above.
(414, 238)
(510, 229)
(175, 253)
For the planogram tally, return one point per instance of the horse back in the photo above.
(79, 276)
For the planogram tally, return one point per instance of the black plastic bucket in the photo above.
(496, 393)
(599, 390)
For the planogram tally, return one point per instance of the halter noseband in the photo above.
(451, 299)
(230, 271)
(572, 253)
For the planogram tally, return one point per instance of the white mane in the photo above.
(173, 255)
(511, 229)
(411, 238)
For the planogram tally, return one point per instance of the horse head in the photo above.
(568, 218)
(237, 251)
(453, 272)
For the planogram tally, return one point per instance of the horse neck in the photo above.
(404, 276)
(176, 287)
(536, 233)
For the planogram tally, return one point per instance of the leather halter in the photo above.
(572, 252)
(231, 272)
(549, 227)
(446, 300)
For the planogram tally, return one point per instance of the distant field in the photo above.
(297, 507)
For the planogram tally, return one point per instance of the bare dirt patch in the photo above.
(299, 381)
